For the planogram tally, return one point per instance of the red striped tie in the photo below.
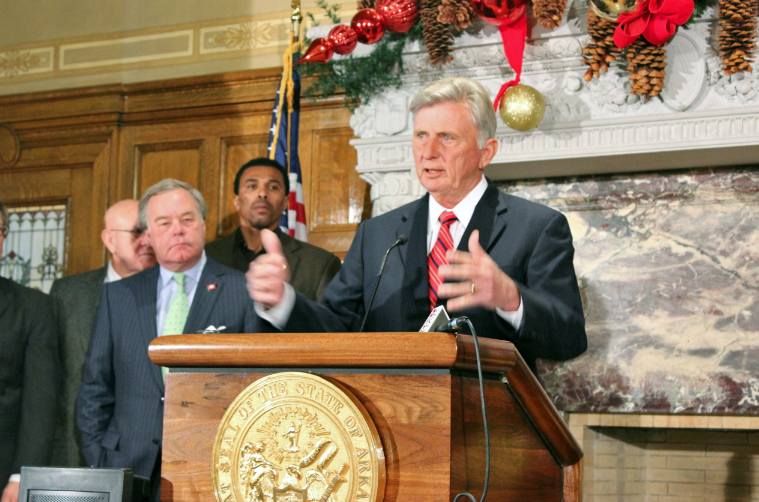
(437, 256)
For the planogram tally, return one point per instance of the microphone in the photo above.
(400, 241)
(453, 325)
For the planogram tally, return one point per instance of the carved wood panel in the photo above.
(181, 161)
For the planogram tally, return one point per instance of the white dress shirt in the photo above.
(111, 275)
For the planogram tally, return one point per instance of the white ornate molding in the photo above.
(702, 119)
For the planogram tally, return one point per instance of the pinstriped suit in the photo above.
(120, 402)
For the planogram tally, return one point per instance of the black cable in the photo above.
(484, 418)
(401, 240)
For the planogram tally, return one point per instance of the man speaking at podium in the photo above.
(511, 272)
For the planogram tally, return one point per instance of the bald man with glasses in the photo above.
(76, 299)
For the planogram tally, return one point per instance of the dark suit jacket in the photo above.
(531, 243)
(120, 402)
(311, 267)
(29, 378)
(75, 303)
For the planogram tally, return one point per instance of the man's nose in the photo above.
(430, 150)
(177, 228)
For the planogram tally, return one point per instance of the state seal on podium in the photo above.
(297, 437)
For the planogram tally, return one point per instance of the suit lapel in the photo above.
(6, 299)
(95, 284)
(290, 249)
(488, 219)
(414, 259)
(146, 297)
(207, 293)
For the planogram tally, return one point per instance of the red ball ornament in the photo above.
(399, 15)
(499, 11)
(368, 26)
(320, 51)
(343, 38)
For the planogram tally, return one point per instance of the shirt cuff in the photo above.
(514, 318)
(15, 478)
(278, 315)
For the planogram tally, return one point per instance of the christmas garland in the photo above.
(361, 78)
(632, 32)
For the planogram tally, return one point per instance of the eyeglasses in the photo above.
(5, 229)
(135, 232)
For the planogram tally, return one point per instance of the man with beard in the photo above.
(261, 190)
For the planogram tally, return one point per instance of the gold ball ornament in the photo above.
(522, 107)
(611, 9)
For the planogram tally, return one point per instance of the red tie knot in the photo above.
(447, 218)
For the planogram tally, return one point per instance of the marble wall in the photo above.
(667, 264)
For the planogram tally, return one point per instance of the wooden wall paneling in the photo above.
(198, 129)
(65, 165)
(179, 160)
(338, 195)
(236, 151)
(81, 253)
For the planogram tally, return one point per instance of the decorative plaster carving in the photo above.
(700, 107)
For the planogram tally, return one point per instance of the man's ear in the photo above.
(236, 202)
(107, 237)
(488, 152)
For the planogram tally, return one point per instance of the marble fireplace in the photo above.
(663, 202)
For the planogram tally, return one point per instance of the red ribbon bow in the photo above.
(656, 20)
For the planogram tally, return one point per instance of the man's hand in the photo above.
(483, 283)
(268, 273)
(10, 494)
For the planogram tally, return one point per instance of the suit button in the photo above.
(162, 399)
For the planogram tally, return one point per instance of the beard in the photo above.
(265, 220)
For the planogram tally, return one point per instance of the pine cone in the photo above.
(645, 65)
(599, 53)
(737, 34)
(365, 4)
(548, 13)
(438, 36)
(459, 13)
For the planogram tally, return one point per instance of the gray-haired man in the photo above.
(502, 261)
(120, 402)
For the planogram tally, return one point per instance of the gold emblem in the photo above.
(296, 437)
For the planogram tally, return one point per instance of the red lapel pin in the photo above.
(211, 287)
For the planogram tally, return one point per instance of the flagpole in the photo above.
(296, 19)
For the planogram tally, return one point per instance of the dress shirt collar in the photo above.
(463, 210)
(111, 275)
(191, 273)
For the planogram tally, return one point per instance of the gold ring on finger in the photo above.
(473, 288)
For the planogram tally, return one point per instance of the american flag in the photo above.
(293, 220)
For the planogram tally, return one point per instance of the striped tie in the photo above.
(437, 256)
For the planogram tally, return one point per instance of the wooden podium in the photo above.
(421, 390)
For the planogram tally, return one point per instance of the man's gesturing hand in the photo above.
(269, 272)
(483, 283)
